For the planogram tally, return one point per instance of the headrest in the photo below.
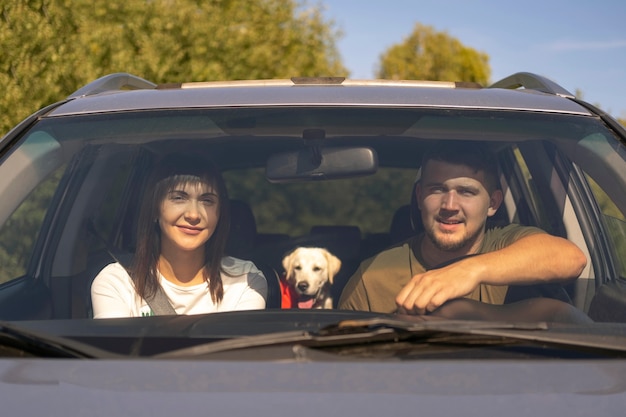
(243, 232)
(401, 227)
(342, 240)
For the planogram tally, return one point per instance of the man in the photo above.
(455, 195)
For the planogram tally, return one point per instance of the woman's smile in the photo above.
(190, 230)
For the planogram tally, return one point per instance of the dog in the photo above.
(309, 275)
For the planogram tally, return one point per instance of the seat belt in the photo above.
(159, 304)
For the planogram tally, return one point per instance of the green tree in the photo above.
(436, 56)
(50, 48)
(34, 49)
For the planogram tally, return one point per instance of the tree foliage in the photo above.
(436, 56)
(50, 48)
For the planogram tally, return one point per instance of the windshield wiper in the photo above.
(565, 335)
(18, 342)
(411, 329)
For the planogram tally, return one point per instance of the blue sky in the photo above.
(579, 44)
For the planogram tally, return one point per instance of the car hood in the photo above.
(439, 388)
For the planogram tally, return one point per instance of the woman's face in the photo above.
(188, 217)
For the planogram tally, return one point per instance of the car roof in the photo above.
(124, 92)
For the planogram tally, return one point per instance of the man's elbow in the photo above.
(577, 261)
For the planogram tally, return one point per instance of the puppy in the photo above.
(309, 273)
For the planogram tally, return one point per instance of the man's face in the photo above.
(454, 205)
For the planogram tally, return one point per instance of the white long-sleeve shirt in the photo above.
(113, 293)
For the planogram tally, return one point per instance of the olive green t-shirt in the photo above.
(379, 279)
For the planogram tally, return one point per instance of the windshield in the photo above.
(348, 182)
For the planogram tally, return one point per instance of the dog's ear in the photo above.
(288, 263)
(334, 265)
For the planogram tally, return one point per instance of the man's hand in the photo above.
(533, 259)
(428, 291)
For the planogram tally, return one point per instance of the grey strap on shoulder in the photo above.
(159, 303)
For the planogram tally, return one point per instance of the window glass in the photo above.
(529, 207)
(615, 222)
(19, 233)
(106, 218)
(368, 202)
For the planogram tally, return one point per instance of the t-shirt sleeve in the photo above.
(374, 286)
(254, 297)
(501, 237)
(111, 293)
(354, 294)
(254, 294)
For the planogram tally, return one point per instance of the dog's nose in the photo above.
(303, 286)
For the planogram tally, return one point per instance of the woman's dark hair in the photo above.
(167, 174)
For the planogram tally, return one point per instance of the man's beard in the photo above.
(452, 242)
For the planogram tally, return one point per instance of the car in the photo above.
(321, 162)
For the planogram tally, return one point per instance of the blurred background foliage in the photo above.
(50, 48)
(292, 208)
(427, 54)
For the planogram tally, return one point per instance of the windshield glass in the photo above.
(77, 189)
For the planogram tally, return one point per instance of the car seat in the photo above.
(243, 231)
(242, 242)
(401, 227)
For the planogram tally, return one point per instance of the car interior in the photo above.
(93, 180)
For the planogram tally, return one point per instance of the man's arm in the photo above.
(532, 259)
(354, 295)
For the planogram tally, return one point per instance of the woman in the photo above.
(182, 233)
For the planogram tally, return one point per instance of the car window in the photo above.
(615, 222)
(368, 202)
(19, 232)
(531, 193)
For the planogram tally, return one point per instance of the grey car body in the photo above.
(77, 166)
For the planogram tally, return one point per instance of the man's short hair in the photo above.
(475, 155)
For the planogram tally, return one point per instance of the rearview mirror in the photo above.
(319, 163)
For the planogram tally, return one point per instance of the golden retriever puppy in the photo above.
(310, 272)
